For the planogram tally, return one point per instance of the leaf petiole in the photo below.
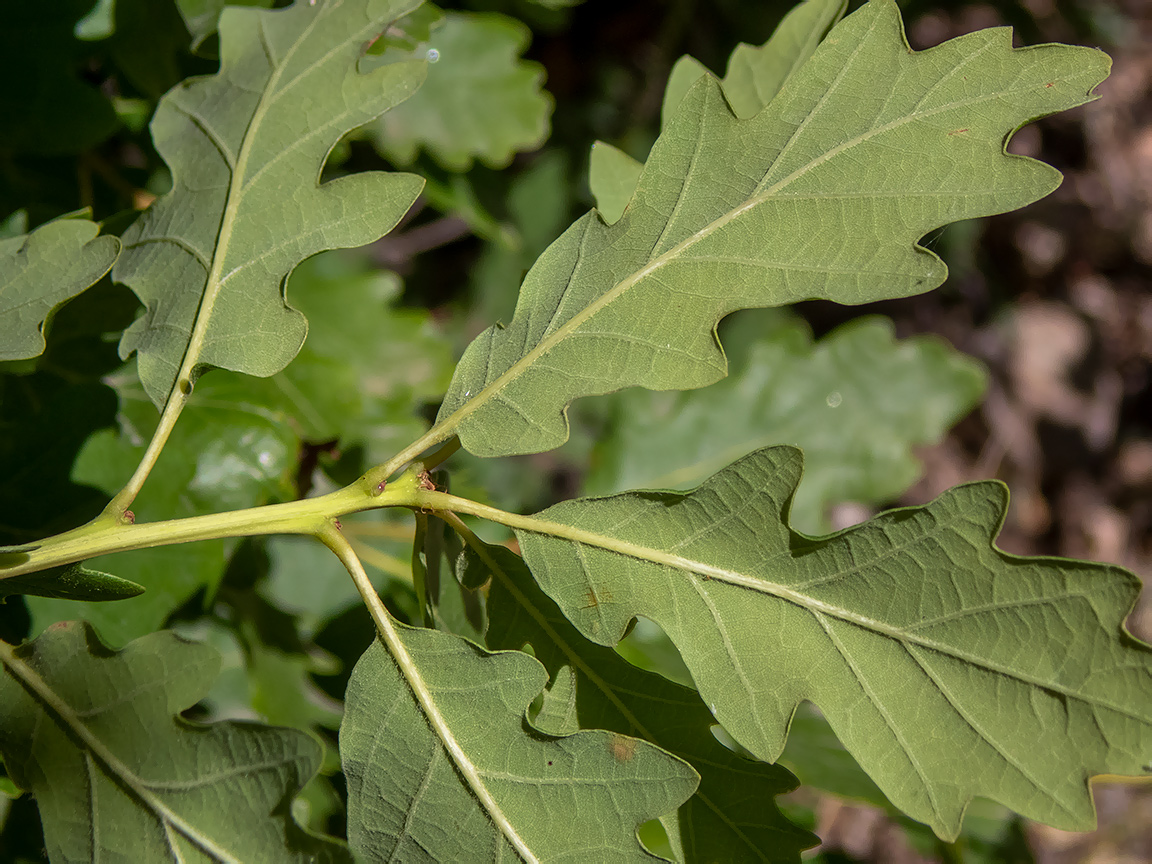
(331, 537)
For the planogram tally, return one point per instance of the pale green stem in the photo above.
(389, 531)
(116, 508)
(443, 501)
(182, 385)
(339, 544)
(103, 536)
(378, 476)
(441, 455)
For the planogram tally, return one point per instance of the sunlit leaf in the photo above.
(42, 270)
(755, 75)
(481, 101)
(358, 380)
(463, 777)
(733, 815)
(685, 72)
(949, 669)
(857, 402)
(246, 147)
(825, 193)
(118, 776)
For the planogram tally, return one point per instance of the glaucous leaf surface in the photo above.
(733, 815)
(685, 72)
(480, 101)
(857, 402)
(815, 753)
(245, 147)
(755, 75)
(949, 669)
(119, 777)
(825, 193)
(42, 270)
(574, 798)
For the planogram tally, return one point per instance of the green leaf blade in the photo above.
(41, 271)
(70, 582)
(613, 176)
(246, 147)
(755, 74)
(734, 214)
(231, 450)
(732, 816)
(92, 734)
(754, 77)
(916, 637)
(555, 799)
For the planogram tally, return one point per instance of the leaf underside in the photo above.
(948, 668)
(755, 75)
(824, 193)
(40, 271)
(732, 816)
(246, 147)
(118, 778)
(576, 798)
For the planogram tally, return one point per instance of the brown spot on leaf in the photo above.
(592, 600)
(621, 748)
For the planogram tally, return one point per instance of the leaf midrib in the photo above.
(237, 187)
(53, 704)
(452, 422)
(212, 284)
(603, 686)
(570, 533)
